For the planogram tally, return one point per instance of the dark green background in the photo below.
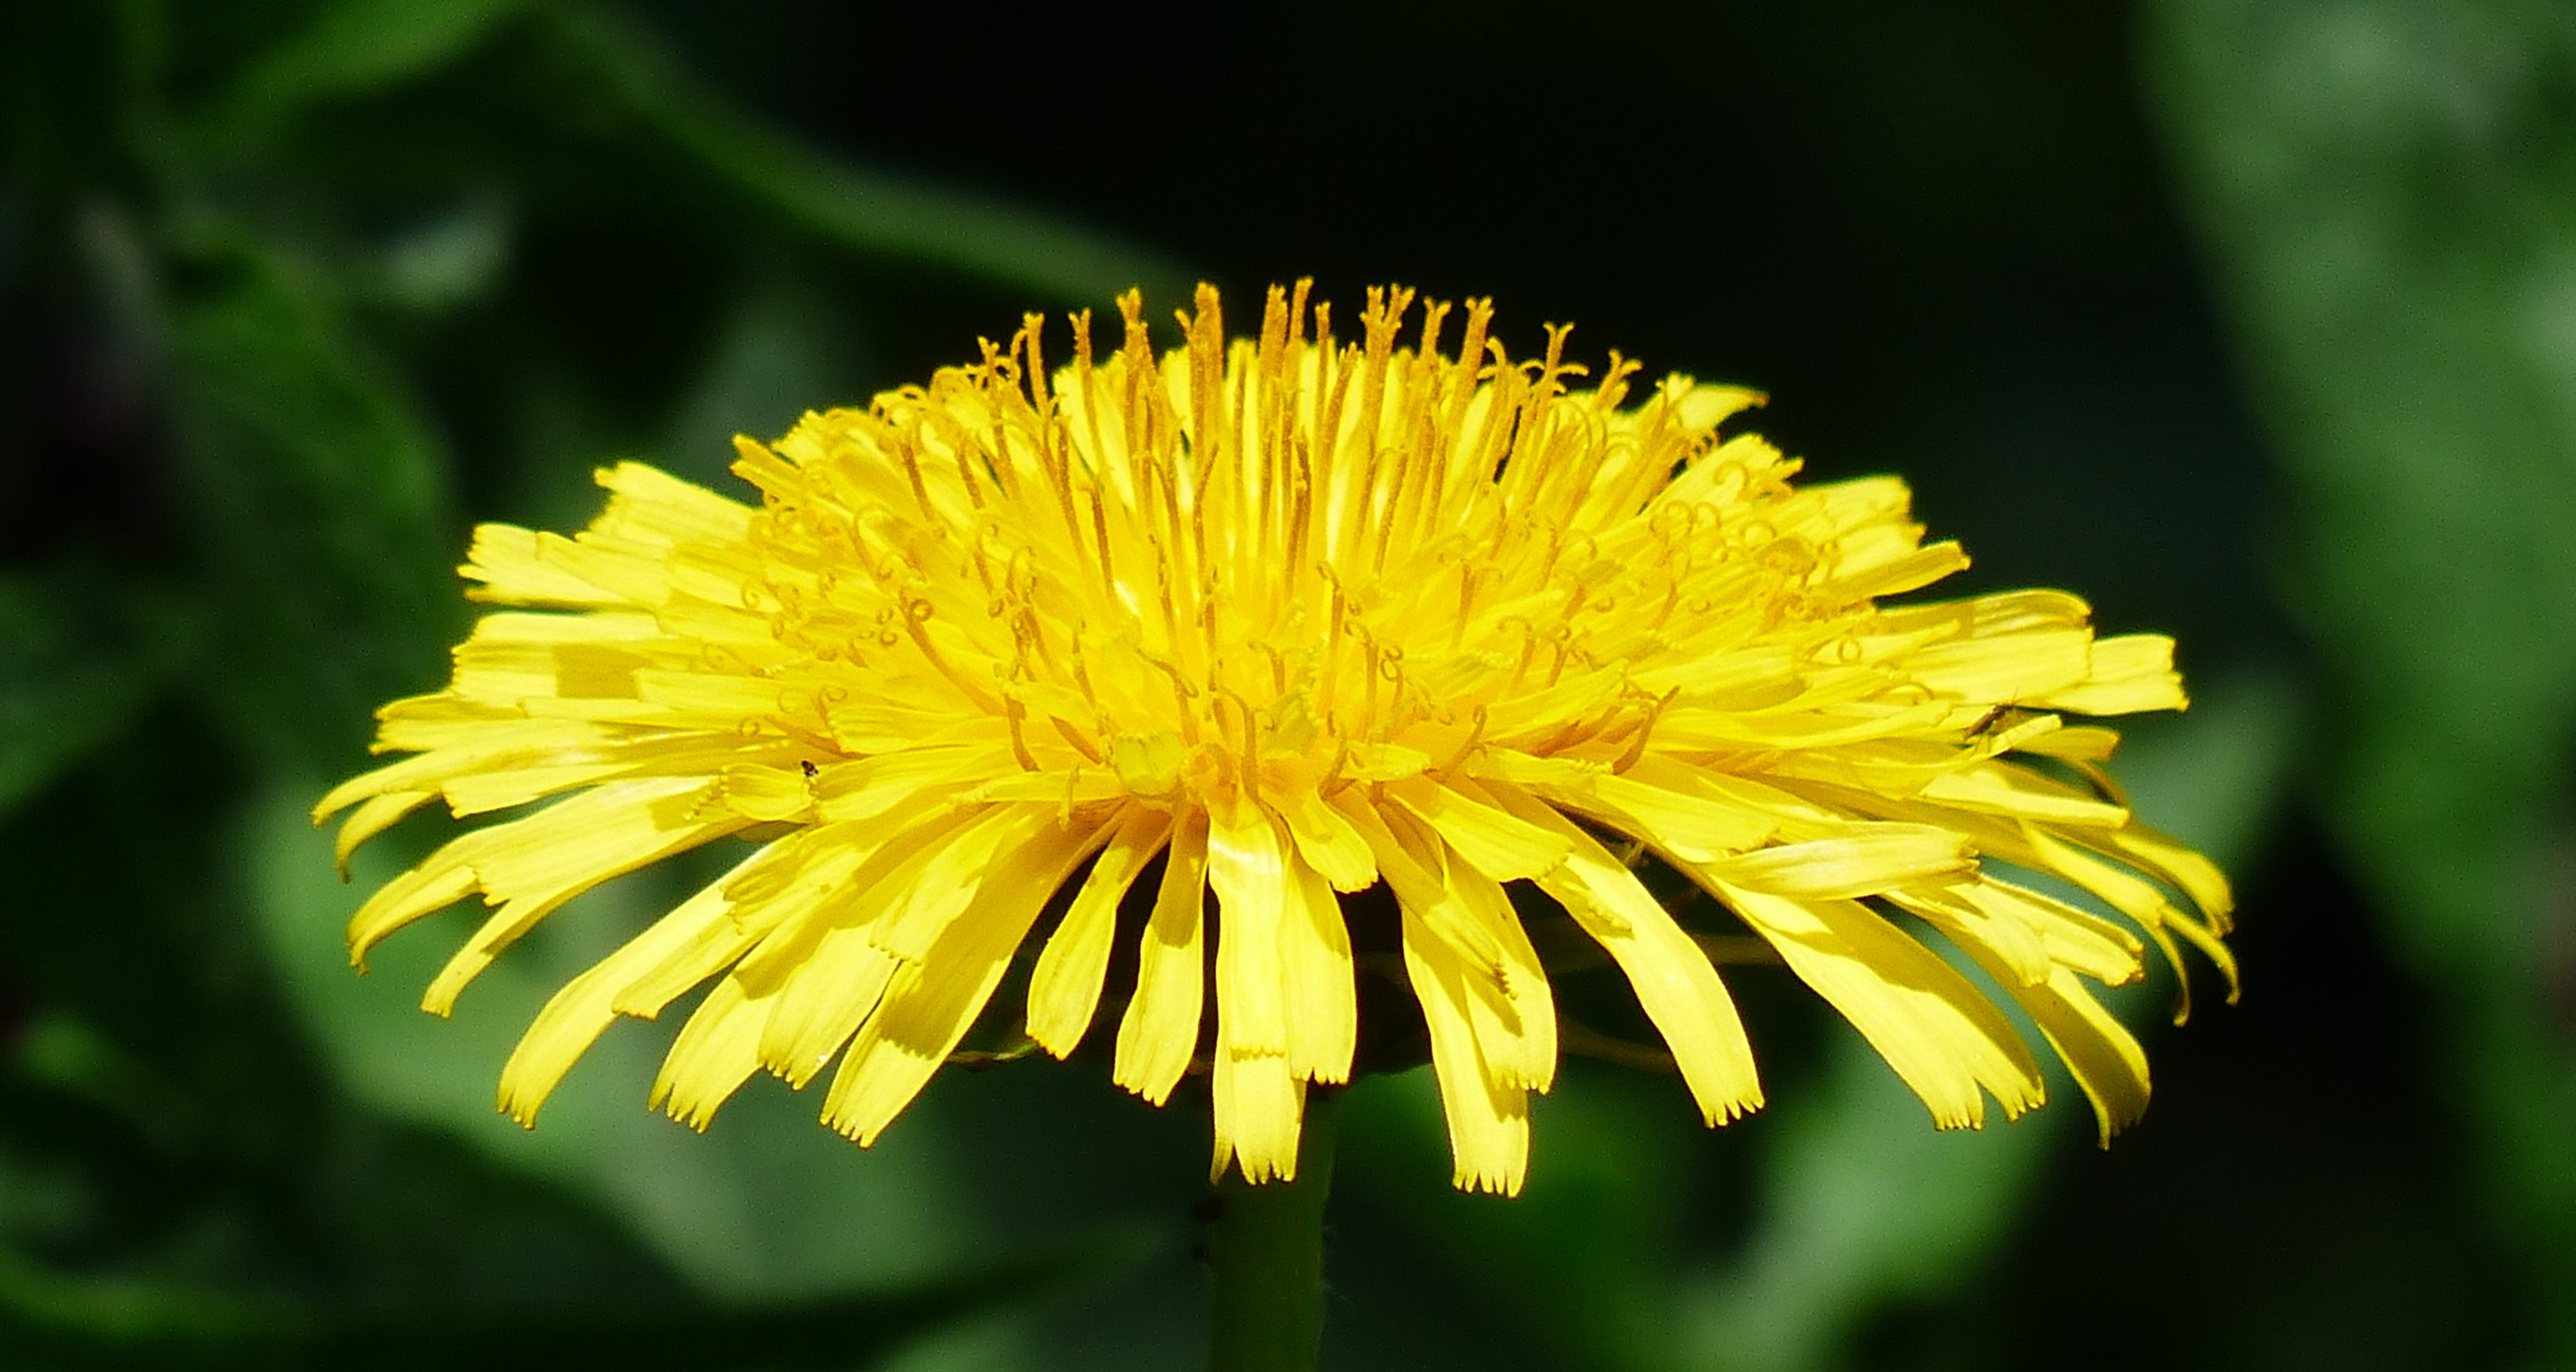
(2255, 322)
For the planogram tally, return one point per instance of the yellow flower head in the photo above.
(1297, 617)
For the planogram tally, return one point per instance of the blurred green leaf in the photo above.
(1863, 1204)
(318, 497)
(72, 103)
(862, 211)
(75, 663)
(2219, 775)
(583, 88)
(161, 1124)
(49, 1321)
(113, 926)
(350, 48)
(778, 355)
(1579, 1262)
(446, 261)
(2388, 191)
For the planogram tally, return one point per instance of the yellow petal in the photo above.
(515, 568)
(1323, 1005)
(1864, 860)
(877, 785)
(1414, 867)
(373, 817)
(1917, 568)
(1674, 982)
(2005, 943)
(486, 742)
(652, 503)
(2124, 675)
(1990, 616)
(715, 1053)
(2138, 899)
(1686, 728)
(629, 628)
(1488, 1121)
(1247, 870)
(893, 726)
(822, 1003)
(573, 573)
(502, 787)
(595, 835)
(1161, 1027)
(1511, 1010)
(866, 872)
(2098, 1050)
(1701, 406)
(534, 865)
(1258, 1108)
(1064, 990)
(442, 879)
(2101, 1053)
(1063, 788)
(2076, 743)
(769, 794)
(2000, 788)
(712, 700)
(2029, 667)
(931, 1003)
(2077, 939)
(1329, 844)
(941, 881)
(782, 885)
(575, 1016)
(1500, 845)
(1940, 1034)
(2179, 863)
(1670, 807)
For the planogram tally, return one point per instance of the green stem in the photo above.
(1266, 1257)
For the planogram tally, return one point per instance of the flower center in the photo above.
(1272, 569)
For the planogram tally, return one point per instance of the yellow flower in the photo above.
(1299, 617)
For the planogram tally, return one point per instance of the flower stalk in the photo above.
(1266, 1259)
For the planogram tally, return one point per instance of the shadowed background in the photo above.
(2254, 323)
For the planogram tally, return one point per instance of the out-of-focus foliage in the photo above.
(247, 251)
(2389, 194)
(292, 292)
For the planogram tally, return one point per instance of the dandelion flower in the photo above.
(1296, 617)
